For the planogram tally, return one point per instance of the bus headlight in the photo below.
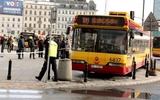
(78, 61)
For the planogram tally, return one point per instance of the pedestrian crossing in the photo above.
(20, 94)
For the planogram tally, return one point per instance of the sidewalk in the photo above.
(24, 71)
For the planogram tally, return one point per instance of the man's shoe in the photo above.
(37, 78)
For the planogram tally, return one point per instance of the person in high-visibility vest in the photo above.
(53, 55)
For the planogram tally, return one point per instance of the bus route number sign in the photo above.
(101, 20)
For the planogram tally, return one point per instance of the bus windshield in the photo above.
(99, 40)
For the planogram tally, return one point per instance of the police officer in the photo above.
(53, 54)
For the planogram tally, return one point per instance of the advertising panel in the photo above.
(12, 7)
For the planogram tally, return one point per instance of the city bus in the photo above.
(156, 47)
(107, 44)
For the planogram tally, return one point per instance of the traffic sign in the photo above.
(151, 24)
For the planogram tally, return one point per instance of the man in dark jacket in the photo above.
(20, 47)
(3, 43)
(62, 47)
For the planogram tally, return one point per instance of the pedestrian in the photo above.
(68, 48)
(31, 45)
(9, 44)
(20, 47)
(40, 46)
(52, 54)
(62, 47)
(3, 43)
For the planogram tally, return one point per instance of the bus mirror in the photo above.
(131, 34)
(68, 30)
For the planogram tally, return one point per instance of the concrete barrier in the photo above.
(65, 70)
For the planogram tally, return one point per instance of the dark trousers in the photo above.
(2, 47)
(40, 54)
(44, 68)
(67, 54)
(20, 53)
(32, 52)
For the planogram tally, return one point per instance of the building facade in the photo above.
(10, 25)
(66, 10)
(156, 10)
(36, 18)
(37, 15)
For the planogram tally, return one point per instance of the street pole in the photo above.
(143, 12)
(150, 42)
(48, 60)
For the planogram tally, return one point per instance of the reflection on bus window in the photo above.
(100, 40)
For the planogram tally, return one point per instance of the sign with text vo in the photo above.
(12, 4)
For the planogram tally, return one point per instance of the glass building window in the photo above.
(30, 12)
(35, 12)
(40, 12)
(25, 25)
(18, 19)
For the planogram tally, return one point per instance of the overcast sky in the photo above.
(125, 5)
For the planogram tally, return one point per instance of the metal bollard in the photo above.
(134, 70)
(154, 64)
(147, 69)
(9, 69)
(145, 61)
(86, 72)
(151, 64)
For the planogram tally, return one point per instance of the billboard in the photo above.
(12, 7)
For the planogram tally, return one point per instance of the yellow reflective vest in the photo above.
(53, 49)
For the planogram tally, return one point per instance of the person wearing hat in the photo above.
(31, 45)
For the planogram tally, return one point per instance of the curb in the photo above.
(76, 84)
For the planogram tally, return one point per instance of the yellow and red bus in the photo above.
(156, 47)
(108, 43)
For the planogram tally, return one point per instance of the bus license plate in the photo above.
(96, 66)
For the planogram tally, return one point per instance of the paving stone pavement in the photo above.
(24, 71)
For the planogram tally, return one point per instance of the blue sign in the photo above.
(13, 7)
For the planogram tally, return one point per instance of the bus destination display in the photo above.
(100, 20)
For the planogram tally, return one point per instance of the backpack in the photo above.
(30, 43)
